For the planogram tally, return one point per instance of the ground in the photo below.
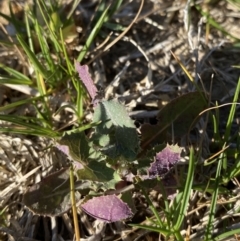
(149, 77)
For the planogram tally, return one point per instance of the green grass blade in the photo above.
(15, 73)
(212, 210)
(19, 120)
(92, 35)
(27, 131)
(74, 6)
(72, 73)
(82, 128)
(166, 203)
(41, 86)
(153, 209)
(19, 103)
(32, 57)
(70, 67)
(215, 119)
(28, 28)
(151, 228)
(186, 192)
(114, 8)
(232, 112)
(14, 81)
(213, 23)
(44, 47)
(49, 23)
(227, 235)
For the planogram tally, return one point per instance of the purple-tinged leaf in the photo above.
(87, 161)
(51, 196)
(63, 148)
(87, 80)
(76, 147)
(108, 208)
(164, 161)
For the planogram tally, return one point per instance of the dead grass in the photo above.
(145, 85)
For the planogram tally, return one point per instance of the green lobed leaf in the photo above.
(98, 180)
(78, 147)
(176, 118)
(92, 165)
(182, 112)
(116, 133)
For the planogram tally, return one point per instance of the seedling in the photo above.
(110, 156)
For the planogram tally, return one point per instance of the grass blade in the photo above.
(32, 57)
(92, 35)
(26, 124)
(208, 233)
(187, 191)
(232, 112)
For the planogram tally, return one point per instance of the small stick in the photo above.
(74, 209)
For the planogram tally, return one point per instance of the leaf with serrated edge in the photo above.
(108, 208)
(86, 79)
(176, 118)
(165, 161)
(182, 112)
(51, 196)
(116, 123)
(75, 146)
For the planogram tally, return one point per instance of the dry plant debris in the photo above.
(140, 71)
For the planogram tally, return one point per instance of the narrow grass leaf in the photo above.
(28, 28)
(70, 66)
(187, 191)
(216, 25)
(212, 210)
(45, 15)
(25, 124)
(232, 112)
(92, 35)
(42, 41)
(27, 131)
(15, 81)
(32, 57)
(228, 235)
(215, 120)
(71, 73)
(18, 103)
(15, 73)
(183, 67)
(153, 209)
(113, 9)
(151, 228)
(73, 7)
